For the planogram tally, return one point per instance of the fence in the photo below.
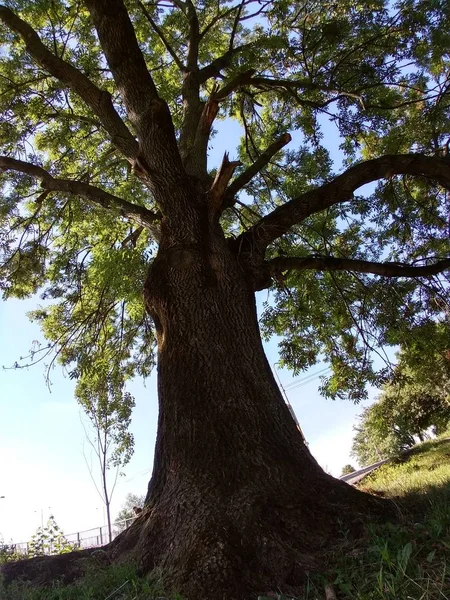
(90, 538)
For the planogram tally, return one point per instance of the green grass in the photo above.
(424, 470)
(116, 582)
(408, 560)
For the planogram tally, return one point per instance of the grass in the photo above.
(117, 582)
(408, 560)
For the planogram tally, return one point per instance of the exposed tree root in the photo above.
(42, 571)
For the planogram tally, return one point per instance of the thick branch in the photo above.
(254, 169)
(339, 190)
(118, 41)
(194, 35)
(98, 100)
(330, 263)
(224, 174)
(220, 63)
(139, 214)
(162, 37)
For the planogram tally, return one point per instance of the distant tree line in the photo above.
(414, 403)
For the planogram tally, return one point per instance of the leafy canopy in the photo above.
(371, 78)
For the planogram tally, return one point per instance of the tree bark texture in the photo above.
(236, 504)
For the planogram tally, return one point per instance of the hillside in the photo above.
(408, 560)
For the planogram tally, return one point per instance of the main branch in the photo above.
(125, 59)
(278, 266)
(149, 114)
(340, 189)
(139, 214)
(99, 101)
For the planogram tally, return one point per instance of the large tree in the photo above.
(108, 113)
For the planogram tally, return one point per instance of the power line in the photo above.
(307, 379)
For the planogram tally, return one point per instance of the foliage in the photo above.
(407, 407)
(49, 540)
(126, 512)
(370, 78)
(347, 469)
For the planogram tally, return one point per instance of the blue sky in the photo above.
(42, 440)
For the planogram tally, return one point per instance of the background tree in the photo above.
(126, 513)
(108, 113)
(49, 540)
(347, 469)
(108, 409)
(407, 407)
(8, 553)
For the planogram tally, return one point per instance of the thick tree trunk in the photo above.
(236, 504)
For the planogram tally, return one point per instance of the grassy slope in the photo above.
(411, 559)
(406, 561)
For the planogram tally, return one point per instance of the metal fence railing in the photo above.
(90, 538)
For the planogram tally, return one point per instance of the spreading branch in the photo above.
(254, 169)
(99, 101)
(281, 264)
(221, 62)
(339, 190)
(125, 59)
(139, 214)
(219, 16)
(235, 25)
(238, 81)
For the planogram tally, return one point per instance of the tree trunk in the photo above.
(236, 504)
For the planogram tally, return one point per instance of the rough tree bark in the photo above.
(236, 504)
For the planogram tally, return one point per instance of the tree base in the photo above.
(234, 554)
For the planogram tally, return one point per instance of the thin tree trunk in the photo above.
(108, 518)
